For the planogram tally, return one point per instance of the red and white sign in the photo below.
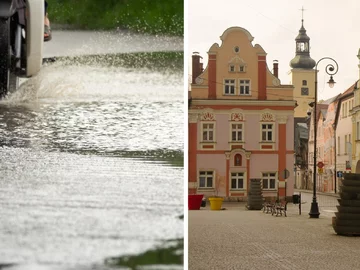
(320, 164)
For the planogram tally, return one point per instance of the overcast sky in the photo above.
(332, 25)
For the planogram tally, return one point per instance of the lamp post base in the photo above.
(314, 210)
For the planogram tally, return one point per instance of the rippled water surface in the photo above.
(90, 165)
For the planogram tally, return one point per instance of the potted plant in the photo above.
(194, 201)
(216, 200)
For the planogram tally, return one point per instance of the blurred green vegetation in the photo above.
(170, 254)
(145, 16)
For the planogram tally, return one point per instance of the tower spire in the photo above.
(302, 58)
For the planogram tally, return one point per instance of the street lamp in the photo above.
(330, 70)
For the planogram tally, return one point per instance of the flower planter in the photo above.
(215, 203)
(194, 201)
(347, 219)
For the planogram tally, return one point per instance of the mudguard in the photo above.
(7, 8)
(34, 36)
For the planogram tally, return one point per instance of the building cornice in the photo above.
(281, 86)
(305, 70)
(239, 102)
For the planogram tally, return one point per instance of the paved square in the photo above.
(237, 238)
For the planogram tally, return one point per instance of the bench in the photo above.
(280, 208)
(269, 207)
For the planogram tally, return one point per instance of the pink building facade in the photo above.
(241, 122)
(334, 141)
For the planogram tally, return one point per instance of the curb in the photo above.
(318, 192)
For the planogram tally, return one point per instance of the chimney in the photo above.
(196, 66)
(276, 68)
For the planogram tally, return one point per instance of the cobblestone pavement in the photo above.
(237, 238)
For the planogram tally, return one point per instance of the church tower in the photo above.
(302, 73)
(303, 79)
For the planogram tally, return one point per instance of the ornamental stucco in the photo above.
(267, 117)
(207, 116)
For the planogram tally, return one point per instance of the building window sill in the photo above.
(204, 189)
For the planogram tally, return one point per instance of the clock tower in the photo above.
(302, 73)
(303, 79)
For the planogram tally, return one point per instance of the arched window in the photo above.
(304, 82)
(237, 160)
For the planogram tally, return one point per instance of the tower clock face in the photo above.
(304, 91)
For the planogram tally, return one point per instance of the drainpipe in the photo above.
(335, 174)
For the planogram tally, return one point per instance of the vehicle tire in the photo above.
(5, 63)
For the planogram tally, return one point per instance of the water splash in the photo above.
(58, 82)
(97, 109)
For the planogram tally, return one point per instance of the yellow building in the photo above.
(303, 78)
(303, 74)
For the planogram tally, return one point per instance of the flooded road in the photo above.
(90, 165)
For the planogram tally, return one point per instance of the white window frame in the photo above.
(207, 130)
(346, 109)
(231, 68)
(237, 130)
(245, 83)
(229, 84)
(346, 140)
(243, 68)
(268, 176)
(238, 177)
(267, 130)
(206, 174)
(311, 157)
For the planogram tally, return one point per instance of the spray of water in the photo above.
(72, 82)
